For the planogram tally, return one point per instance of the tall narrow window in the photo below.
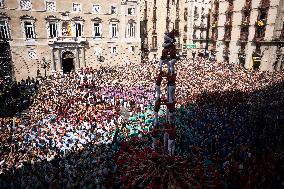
(97, 29)
(131, 30)
(113, 30)
(25, 4)
(53, 30)
(154, 42)
(29, 30)
(79, 29)
(154, 26)
(3, 30)
(194, 34)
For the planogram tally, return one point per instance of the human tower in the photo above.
(167, 128)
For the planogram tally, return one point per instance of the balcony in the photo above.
(230, 10)
(196, 15)
(242, 54)
(260, 23)
(258, 39)
(226, 52)
(228, 24)
(154, 19)
(202, 26)
(246, 9)
(214, 38)
(245, 23)
(243, 38)
(68, 39)
(264, 6)
(279, 35)
(214, 25)
(227, 37)
(216, 13)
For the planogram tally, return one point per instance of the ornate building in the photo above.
(158, 16)
(197, 22)
(69, 35)
(248, 33)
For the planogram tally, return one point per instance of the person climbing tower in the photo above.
(169, 131)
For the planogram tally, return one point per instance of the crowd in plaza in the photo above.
(16, 96)
(93, 129)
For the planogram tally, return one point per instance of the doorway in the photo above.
(68, 62)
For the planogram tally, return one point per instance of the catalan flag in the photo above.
(69, 30)
(260, 23)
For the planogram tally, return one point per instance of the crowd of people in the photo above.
(15, 97)
(93, 129)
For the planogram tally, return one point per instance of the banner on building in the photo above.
(190, 46)
(256, 61)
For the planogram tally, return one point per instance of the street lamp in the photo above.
(44, 65)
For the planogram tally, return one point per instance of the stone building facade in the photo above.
(158, 16)
(196, 29)
(248, 33)
(67, 35)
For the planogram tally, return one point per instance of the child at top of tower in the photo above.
(169, 48)
(169, 39)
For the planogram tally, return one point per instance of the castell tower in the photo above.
(168, 59)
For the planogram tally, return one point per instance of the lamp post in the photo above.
(44, 65)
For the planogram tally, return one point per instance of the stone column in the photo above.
(52, 62)
(77, 63)
(59, 62)
(83, 57)
(249, 50)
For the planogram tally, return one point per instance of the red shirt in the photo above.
(173, 52)
(155, 133)
(159, 80)
(172, 133)
(171, 107)
(157, 106)
(171, 79)
(165, 52)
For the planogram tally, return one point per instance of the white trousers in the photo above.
(156, 119)
(171, 65)
(171, 147)
(166, 139)
(158, 92)
(171, 93)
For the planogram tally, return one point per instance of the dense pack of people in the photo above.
(16, 96)
(94, 129)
